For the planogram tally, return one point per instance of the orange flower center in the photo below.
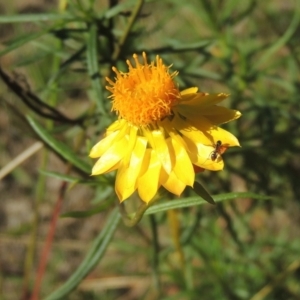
(145, 94)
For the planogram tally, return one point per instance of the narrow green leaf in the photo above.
(202, 192)
(192, 201)
(92, 258)
(87, 213)
(280, 42)
(96, 181)
(227, 11)
(59, 176)
(177, 46)
(59, 147)
(74, 57)
(93, 68)
(23, 40)
(287, 85)
(116, 9)
(35, 18)
(202, 73)
(204, 13)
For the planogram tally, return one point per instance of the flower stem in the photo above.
(155, 256)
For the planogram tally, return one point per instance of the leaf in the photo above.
(87, 213)
(74, 57)
(60, 148)
(35, 18)
(93, 68)
(91, 259)
(23, 39)
(177, 46)
(192, 201)
(116, 9)
(280, 42)
(202, 73)
(228, 10)
(96, 181)
(203, 193)
(60, 176)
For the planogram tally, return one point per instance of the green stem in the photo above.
(131, 220)
(155, 257)
(132, 19)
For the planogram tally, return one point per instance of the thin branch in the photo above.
(132, 19)
(48, 244)
(34, 102)
(20, 159)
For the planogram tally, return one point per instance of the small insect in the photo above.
(219, 149)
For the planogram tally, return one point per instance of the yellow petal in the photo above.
(127, 175)
(103, 145)
(207, 100)
(199, 102)
(218, 114)
(215, 165)
(227, 139)
(212, 132)
(198, 134)
(132, 140)
(159, 145)
(191, 90)
(138, 153)
(171, 131)
(112, 156)
(148, 183)
(106, 142)
(188, 95)
(200, 156)
(124, 185)
(117, 125)
(114, 167)
(171, 183)
(183, 167)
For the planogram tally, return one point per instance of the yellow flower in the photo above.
(161, 133)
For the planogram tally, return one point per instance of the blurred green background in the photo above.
(54, 57)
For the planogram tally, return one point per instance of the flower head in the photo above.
(163, 136)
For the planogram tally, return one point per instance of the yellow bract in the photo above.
(162, 133)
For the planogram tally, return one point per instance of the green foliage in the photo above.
(234, 249)
(92, 258)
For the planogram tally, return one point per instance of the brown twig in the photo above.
(34, 102)
(48, 244)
